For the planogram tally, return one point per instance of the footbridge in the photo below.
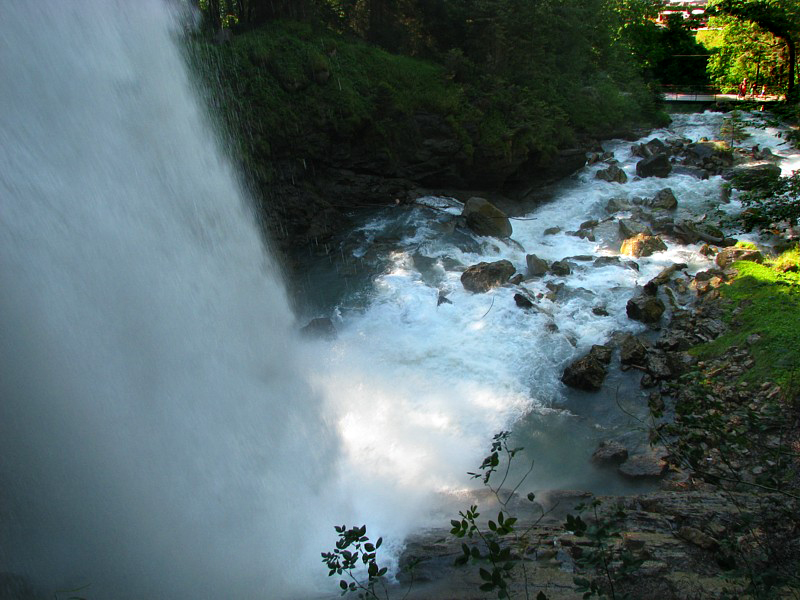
(711, 96)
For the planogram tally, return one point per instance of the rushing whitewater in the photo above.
(157, 436)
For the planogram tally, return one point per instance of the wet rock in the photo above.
(629, 228)
(665, 200)
(651, 148)
(593, 157)
(657, 364)
(552, 230)
(655, 166)
(666, 274)
(618, 204)
(642, 245)
(536, 266)
(727, 256)
(484, 218)
(697, 172)
(561, 268)
(586, 373)
(607, 234)
(612, 174)
(706, 152)
(645, 308)
(610, 452)
(321, 327)
(600, 311)
(643, 466)
(516, 279)
(632, 350)
(523, 301)
(697, 538)
(605, 261)
(754, 175)
(587, 234)
(601, 353)
(589, 224)
(485, 276)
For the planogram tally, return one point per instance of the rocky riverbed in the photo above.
(629, 284)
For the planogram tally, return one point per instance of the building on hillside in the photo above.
(688, 9)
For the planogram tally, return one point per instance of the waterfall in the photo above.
(157, 435)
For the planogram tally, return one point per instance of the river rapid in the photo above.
(421, 384)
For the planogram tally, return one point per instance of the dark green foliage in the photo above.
(353, 551)
(780, 18)
(514, 80)
(500, 545)
(776, 199)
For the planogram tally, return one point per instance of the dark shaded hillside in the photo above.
(324, 122)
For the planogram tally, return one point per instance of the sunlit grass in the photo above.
(765, 301)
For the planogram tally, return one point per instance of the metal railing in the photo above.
(678, 93)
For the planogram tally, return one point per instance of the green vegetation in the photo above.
(763, 302)
(352, 80)
(291, 90)
(757, 41)
(353, 550)
(775, 199)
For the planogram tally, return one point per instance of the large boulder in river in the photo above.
(610, 452)
(589, 372)
(632, 350)
(665, 200)
(702, 153)
(645, 308)
(655, 166)
(536, 266)
(484, 218)
(562, 268)
(642, 245)
(753, 176)
(648, 149)
(485, 276)
(618, 204)
(643, 466)
(629, 228)
(727, 256)
(612, 174)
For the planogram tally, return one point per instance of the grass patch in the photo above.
(762, 300)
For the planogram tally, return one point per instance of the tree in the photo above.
(781, 18)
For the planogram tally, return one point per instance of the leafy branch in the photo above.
(354, 551)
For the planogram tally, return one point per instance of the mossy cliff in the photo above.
(323, 123)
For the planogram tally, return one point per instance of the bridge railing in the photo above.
(683, 93)
(695, 92)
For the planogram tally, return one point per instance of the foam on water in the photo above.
(435, 381)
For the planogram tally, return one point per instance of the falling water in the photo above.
(157, 436)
